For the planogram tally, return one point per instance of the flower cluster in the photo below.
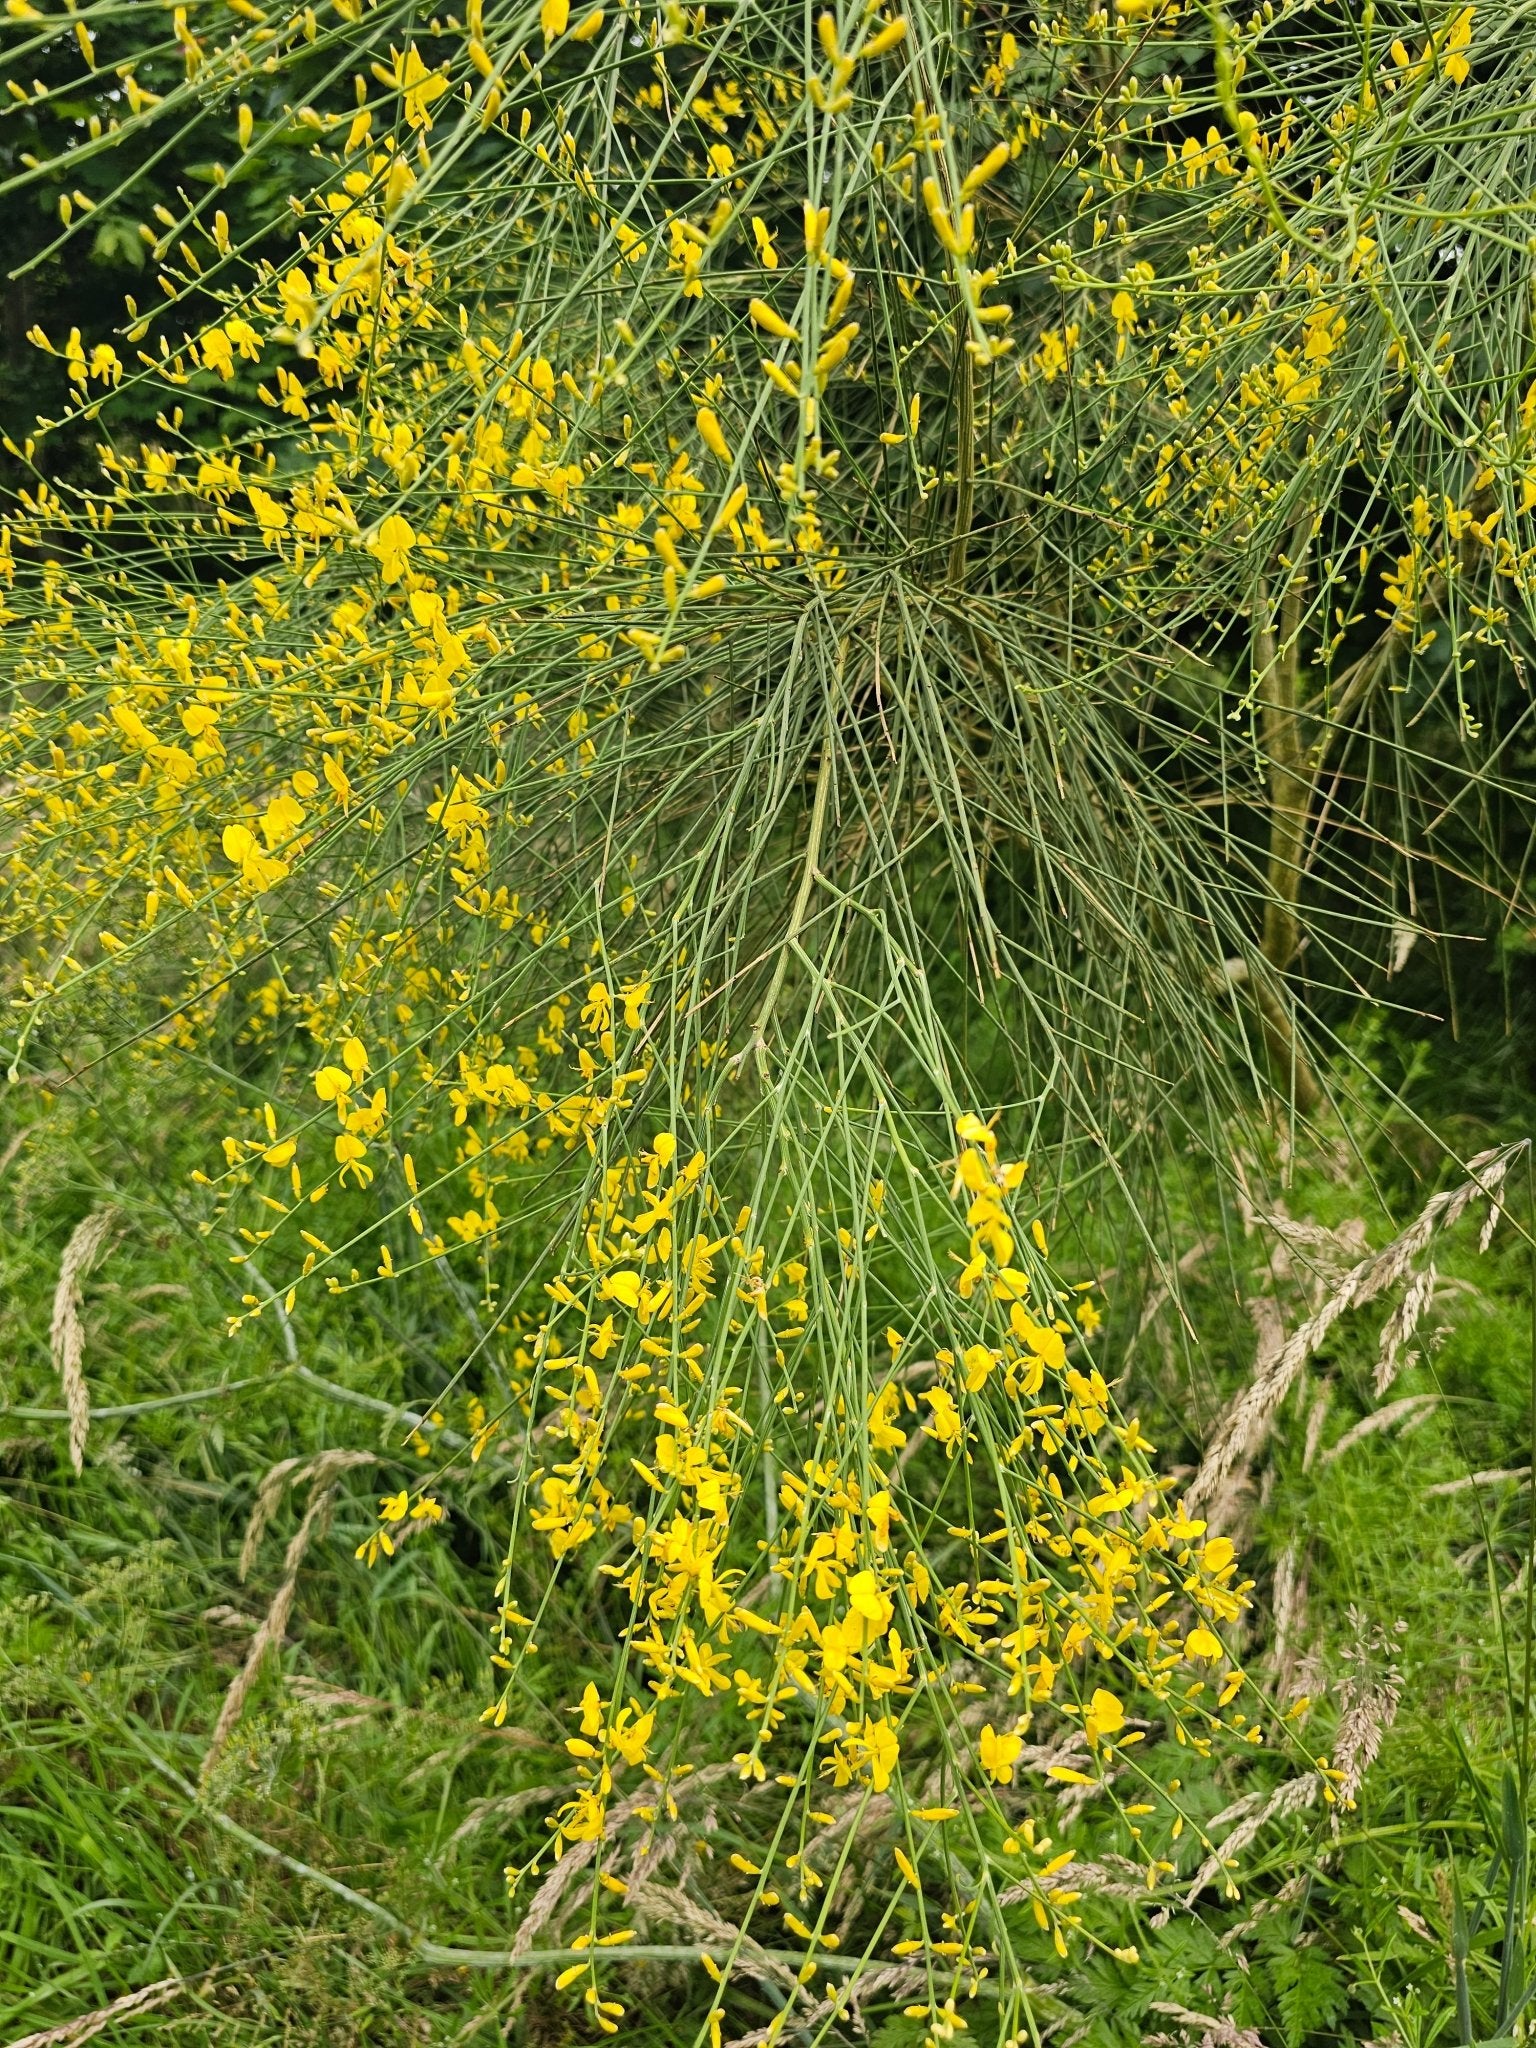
(798, 1569)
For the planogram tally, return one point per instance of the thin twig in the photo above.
(188, 1398)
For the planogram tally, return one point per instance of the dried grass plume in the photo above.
(67, 1335)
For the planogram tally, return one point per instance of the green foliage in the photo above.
(120, 189)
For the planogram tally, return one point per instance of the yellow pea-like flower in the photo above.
(771, 322)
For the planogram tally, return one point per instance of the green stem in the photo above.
(757, 1041)
(1291, 781)
(442, 1955)
(965, 456)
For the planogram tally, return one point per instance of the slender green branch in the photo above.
(454, 1955)
(757, 1040)
(1291, 783)
(965, 455)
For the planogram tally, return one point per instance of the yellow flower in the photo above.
(870, 1608)
(1122, 310)
(392, 545)
(710, 434)
(771, 322)
(979, 1363)
(1459, 38)
(945, 1428)
(421, 87)
(259, 869)
(1103, 1716)
(971, 1272)
(883, 1750)
(1000, 1753)
(889, 35)
(271, 517)
(351, 1152)
(218, 353)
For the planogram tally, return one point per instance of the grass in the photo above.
(124, 1622)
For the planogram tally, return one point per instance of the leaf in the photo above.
(118, 241)
(1309, 1992)
(1461, 1945)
